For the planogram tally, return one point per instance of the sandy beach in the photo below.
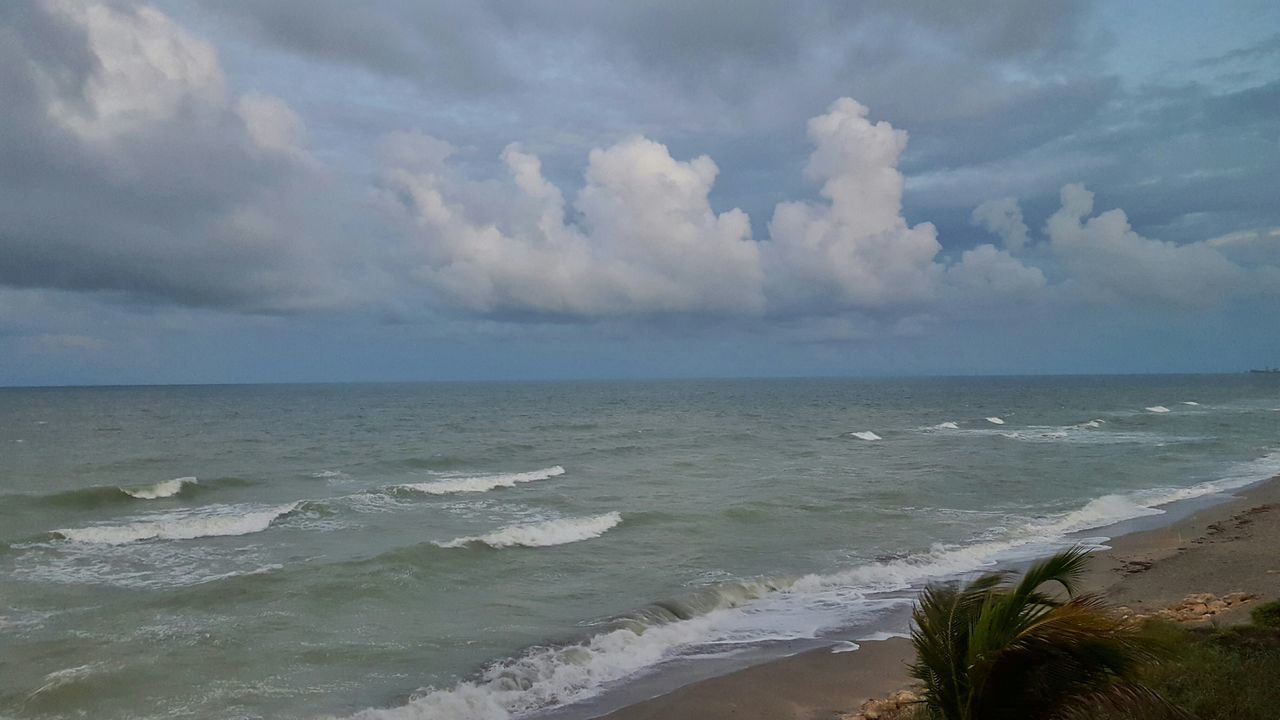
(1227, 547)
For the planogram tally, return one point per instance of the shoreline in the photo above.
(1220, 548)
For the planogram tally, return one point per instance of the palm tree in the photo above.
(994, 649)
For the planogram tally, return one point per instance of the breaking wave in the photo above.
(167, 488)
(995, 420)
(545, 677)
(948, 425)
(481, 483)
(214, 521)
(1157, 409)
(865, 435)
(543, 534)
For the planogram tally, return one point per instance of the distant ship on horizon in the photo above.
(1267, 371)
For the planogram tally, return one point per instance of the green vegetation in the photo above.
(1267, 615)
(1000, 648)
(1034, 649)
(1227, 674)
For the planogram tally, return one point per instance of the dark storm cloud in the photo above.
(140, 174)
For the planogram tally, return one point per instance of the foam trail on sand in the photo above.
(1157, 409)
(215, 521)
(995, 420)
(865, 435)
(543, 534)
(481, 483)
(164, 489)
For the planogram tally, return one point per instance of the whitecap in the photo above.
(215, 521)
(543, 534)
(482, 483)
(865, 435)
(948, 425)
(546, 677)
(995, 420)
(1191, 403)
(163, 489)
(1157, 409)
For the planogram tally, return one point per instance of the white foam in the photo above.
(844, 647)
(214, 521)
(546, 677)
(1191, 403)
(1106, 510)
(995, 420)
(549, 676)
(482, 483)
(865, 435)
(1157, 409)
(543, 534)
(330, 475)
(946, 426)
(1090, 424)
(163, 489)
(881, 635)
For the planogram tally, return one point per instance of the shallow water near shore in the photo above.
(482, 551)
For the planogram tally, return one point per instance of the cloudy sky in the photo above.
(318, 190)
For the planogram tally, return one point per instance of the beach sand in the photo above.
(1228, 547)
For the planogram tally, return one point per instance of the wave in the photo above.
(215, 521)
(1192, 403)
(481, 483)
(865, 435)
(163, 489)
(737, 613)
(948, 425)
(995, 420)
(1157, 409)
(543, 534)
(90, 498)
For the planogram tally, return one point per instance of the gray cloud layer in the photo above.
(132, 166)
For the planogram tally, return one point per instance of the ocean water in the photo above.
(508, 550)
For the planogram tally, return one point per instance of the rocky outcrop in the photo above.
(1196, 607)
(889, 708)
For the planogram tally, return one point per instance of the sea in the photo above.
(513, 550)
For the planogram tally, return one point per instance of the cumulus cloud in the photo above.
(1004, 218)
(987, 274)
(648, 240)
(1104, 255)
(645, 238)
(127, 165)
(857, 249)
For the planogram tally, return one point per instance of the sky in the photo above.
(208, 191)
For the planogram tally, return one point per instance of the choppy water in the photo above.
(477, 551)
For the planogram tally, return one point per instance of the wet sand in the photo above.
(1228, 547)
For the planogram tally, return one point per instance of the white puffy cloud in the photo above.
(1004, 218)
(128, 166)
(857, 251)
(1106, 257)
(647, 241)
(149, 69)
(988, 274)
